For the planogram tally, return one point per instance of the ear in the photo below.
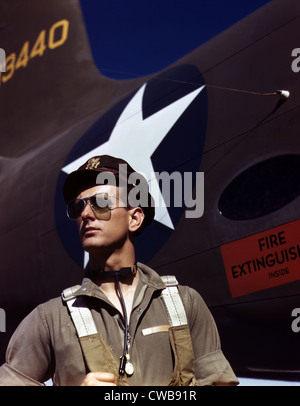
(136, 217)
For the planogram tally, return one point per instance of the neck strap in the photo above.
(130, 270)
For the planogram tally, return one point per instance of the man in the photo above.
(124, 325)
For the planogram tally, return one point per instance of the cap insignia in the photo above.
(93, 163)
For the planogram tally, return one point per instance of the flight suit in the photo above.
(45, 345)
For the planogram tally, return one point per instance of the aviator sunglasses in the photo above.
(100, 203)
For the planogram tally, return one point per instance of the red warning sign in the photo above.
(263, 260)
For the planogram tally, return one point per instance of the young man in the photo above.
(125, 325)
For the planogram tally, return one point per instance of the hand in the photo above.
(99, 379)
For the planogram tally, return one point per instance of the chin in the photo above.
(91, 246)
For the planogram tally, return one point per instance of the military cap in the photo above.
(86, 175)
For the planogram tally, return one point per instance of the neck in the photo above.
(113, 261)
(112, 258)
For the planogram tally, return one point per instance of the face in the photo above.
(109, 232)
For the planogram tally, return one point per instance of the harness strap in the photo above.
(173, 303)
(95, 350)
(179, 333)
(80, 313)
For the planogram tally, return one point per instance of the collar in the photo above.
(147, 275)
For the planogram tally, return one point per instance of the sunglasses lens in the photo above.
(100, 203)
(75, 208)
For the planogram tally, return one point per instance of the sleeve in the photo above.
(210, 365)
(28, 356)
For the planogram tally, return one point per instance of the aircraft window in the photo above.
(262, 189)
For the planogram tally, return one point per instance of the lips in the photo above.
(89, 231)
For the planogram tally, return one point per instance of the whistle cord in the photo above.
(123, 358)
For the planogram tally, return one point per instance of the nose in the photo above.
(87, 212)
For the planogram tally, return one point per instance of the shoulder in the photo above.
(54, 310)
(190, 295)
(45, 317)
(193, 302)
(195, 306)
